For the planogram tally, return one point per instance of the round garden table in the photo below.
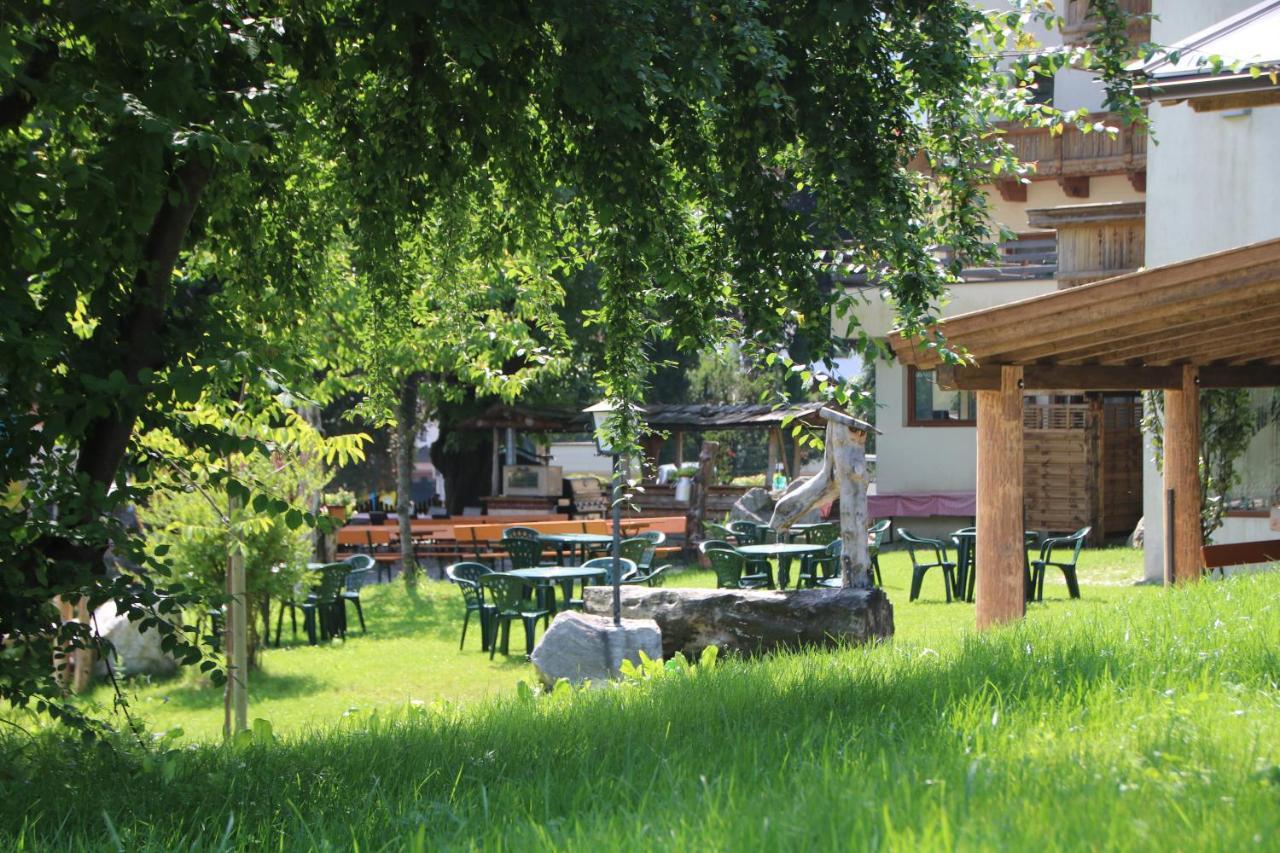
(574, 541)
(966, 559)
(544, 579)
(783, 552)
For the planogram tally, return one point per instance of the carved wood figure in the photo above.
(843, 476)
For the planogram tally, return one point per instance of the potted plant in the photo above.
(684, 482)
(339, 504)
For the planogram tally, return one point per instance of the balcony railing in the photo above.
(1078, 24)
(1074, 153)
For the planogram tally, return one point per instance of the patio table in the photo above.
(574, 541)
(544, 578)
(966, 559)
(783, 552)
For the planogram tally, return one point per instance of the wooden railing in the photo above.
(1078, 24)
(1029, 256)
(1074, 153)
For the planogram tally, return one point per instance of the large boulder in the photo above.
(1139, 535)
(581, 647)
(136, 652)
(752, 621)
(755, 506)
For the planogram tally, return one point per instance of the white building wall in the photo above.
(1213, 183)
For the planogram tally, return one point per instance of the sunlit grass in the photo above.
(1136, 719)
(411, 655)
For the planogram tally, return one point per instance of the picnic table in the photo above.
(783, 552)
(545, 578)
(966, 559)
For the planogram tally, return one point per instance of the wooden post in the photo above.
(495, 477)
(1001, 593)
(1182, 477)
(697, 512)
(236, 642)
(679, 448)
(775, 447)
(1096, 474)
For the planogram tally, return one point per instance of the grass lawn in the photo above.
(1136, 719)
(411, 654)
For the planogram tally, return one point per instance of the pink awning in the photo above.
(922, 504)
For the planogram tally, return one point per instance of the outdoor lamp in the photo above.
(601, 414)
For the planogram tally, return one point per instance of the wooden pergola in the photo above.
(1210, 322)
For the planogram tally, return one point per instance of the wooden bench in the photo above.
(1240, 554)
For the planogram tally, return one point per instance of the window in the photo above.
(929, 405)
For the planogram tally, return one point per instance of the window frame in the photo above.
(912, 421)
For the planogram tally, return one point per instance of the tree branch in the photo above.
(17, 104)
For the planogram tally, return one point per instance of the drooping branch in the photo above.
(17, 104)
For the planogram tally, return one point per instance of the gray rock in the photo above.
(136, 652)
(753, 621)
(1139, 534)
(756, 505)
(581, 647)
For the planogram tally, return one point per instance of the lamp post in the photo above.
(601, 414)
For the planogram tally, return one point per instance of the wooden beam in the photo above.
(1241, 553)
(1093, 377)
(1091, 345)
(1108, 306)
(1168, 346)
(1001, 584)
(1183, 555)
(1012, 190)
(1076, 186)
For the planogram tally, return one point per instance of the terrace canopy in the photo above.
(1210, 322)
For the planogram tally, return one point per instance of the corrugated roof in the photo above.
(666, 416)
(1251, 37)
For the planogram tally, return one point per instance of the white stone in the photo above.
(580, 647)
(136, 652)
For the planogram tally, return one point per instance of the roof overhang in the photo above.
(1219, 312)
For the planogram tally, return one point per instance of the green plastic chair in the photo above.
(638, 550)
(467, 577)
(657, 577)
(519, 533)
(1068, 567)
(730, 566)
(507, 595)
(723, 534)
(822, 534)
(523, 553)
(361, 565)
(628, 567)
(324, 610)
(818, 569)
(933, 549)
(657, 537)
(879, 532)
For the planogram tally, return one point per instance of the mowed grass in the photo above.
(1139, 719)
(411, 655)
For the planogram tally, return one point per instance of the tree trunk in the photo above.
(693, 532)
(464, 460)
(406, 433)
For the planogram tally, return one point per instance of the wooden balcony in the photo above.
(1078, 25)
(1073, 156)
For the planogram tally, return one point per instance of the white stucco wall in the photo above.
(926, 459)
(1213, 183)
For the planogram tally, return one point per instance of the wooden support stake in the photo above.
(775, 447)
(236, 640)
(1001, 593)
(1182, 476)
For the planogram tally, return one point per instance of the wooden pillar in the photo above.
(775, 448)
(1182, 555)
(697, 513)
(679, 448)
(1001, 593)
(495, 477)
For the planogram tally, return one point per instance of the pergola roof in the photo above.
(674, 416)
(1220, 312)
